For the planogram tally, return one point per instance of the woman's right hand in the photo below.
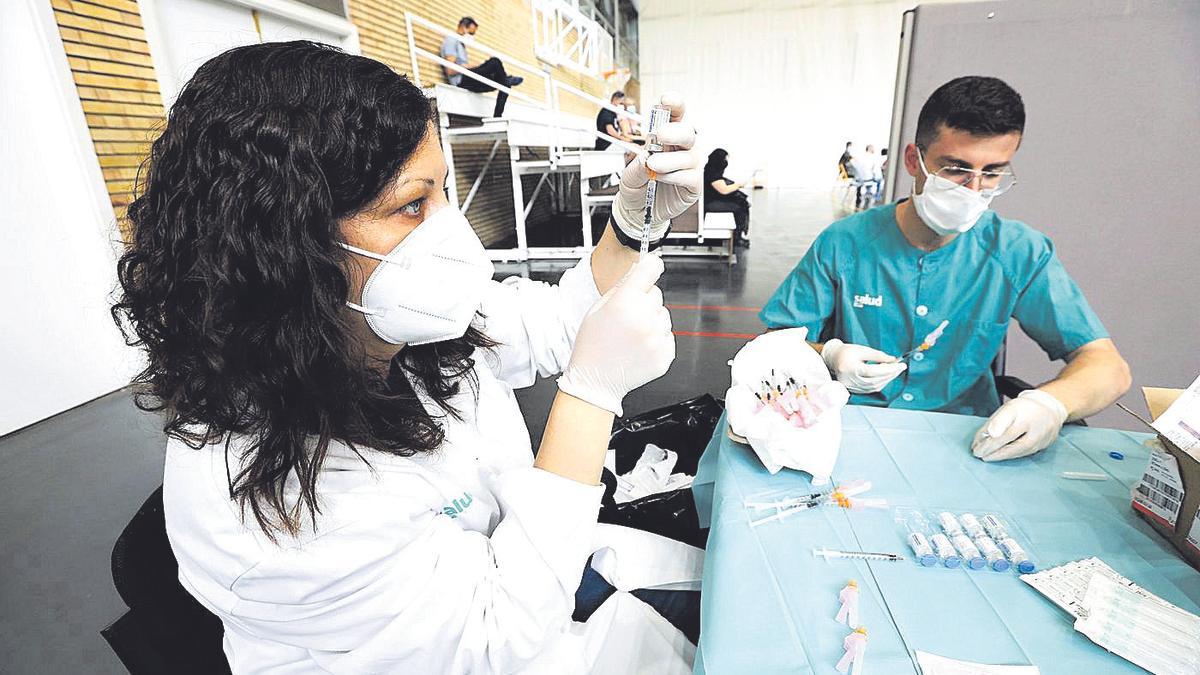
(624, 341)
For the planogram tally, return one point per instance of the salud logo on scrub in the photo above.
(868, 300)
(947, 207)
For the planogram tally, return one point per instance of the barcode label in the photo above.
(1157, 498)
(1160, 492)
(1168, 490)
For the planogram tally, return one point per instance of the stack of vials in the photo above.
(967, 541)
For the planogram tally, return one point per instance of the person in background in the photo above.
(608, 121)
(868, 171)
(874, 284)
(844, 162)
(626, 122)
(876, 169)
(723, 195)
(455, 49)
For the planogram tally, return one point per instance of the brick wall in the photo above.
(110, 60)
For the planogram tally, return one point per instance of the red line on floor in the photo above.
(715, 308)
(733, 336)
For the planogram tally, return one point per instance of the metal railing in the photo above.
(565, 36)
(552, 87)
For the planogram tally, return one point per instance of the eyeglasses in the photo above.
(992, 183)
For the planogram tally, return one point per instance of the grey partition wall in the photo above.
(1110, 163)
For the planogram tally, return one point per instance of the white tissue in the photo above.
(776, 441)
(651, 475)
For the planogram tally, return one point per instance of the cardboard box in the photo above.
(1168, 496)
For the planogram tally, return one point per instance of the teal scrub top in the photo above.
(864, 283)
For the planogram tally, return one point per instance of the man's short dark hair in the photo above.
(467, 22)
(617, 94)
(980, 106)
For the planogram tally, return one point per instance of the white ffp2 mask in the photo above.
(430, 286)
(946, 207)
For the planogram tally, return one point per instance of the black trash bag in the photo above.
(685, 429)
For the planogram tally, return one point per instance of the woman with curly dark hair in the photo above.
(349, 483)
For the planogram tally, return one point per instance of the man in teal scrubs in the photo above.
(874, 284)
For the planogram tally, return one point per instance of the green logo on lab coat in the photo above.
(458, 505)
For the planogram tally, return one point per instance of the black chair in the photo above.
(165, 630)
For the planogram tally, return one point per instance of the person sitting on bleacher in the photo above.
(455, 49)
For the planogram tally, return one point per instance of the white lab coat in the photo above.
(465, 560)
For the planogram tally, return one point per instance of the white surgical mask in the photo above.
(946, 207)
(430, 286)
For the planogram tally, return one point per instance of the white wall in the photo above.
(782, 85)
(183, 34)
(58, 347)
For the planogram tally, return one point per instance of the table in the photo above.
(768, 604)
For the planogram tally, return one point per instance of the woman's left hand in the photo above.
(677, 170)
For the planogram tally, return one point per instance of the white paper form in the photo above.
(1149, 632)
(1066, 585)
(932, 664)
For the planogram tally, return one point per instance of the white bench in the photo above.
(696, 227)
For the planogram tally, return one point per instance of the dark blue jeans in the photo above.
(681, 608)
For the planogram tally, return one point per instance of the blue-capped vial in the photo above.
(949, 523)
(991, 552)
(971, 555)
(970, 524)
(922, 550)
(945, 550)
(994, 527)
(1016, 555)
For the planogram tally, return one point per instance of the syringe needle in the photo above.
(651, 192)
(828, 554)
(659, 115)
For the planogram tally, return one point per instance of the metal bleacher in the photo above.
(537, 159)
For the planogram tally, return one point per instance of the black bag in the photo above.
(684, 428)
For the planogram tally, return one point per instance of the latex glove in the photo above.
(677, 169)
(625, 340)
(1025, 425)
(863, 370)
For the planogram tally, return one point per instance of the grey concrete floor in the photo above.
(71, 483)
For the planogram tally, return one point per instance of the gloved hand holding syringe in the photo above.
(659, 116)
(661, 181)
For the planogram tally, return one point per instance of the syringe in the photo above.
(830, 554)
(659, 116)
